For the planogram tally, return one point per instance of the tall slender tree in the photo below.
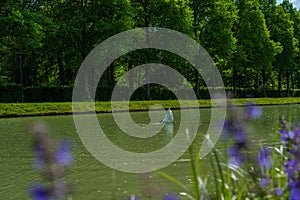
(295, 18)
(282, 31)
(212, 27)
(256, 48)
(21, 35)
(176, 15)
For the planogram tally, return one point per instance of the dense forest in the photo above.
(254, 43)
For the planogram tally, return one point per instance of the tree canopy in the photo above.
(254, 43)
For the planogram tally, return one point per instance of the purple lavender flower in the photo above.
(234, 127)
(295, 193)
(240, 136)
(227, 133)
(291, 135)
(296, 148)
(252, 110)
(264, 159)
(291, 139)
(278, 191)
(292, 183)
(263, 182)
(236, 157)
(170, 197)
(38, 192)
(40, 158)
(63, 153)
(297, 136)
(236, 130)
(51, 157)
(284, 135)
(289, 167)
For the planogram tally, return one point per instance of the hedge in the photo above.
(48, 94)
(11, 93)
(18, 93)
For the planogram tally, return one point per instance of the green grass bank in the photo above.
(39, 109)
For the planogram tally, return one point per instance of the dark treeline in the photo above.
(254, 43)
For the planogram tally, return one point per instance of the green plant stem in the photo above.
(194, 173)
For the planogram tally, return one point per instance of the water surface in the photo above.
(93, 180)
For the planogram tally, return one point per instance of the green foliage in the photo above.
(282, 26)
(213, 28)
(213, 23)
(254, 43)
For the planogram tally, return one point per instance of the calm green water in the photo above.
(93, 180)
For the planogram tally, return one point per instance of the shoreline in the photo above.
(65, 108)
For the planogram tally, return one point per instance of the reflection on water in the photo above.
(168, 131)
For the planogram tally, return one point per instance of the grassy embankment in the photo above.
(31, 109)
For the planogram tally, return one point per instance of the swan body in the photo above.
(168, 117)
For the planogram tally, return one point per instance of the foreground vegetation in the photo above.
(37, 109)
(271, 172)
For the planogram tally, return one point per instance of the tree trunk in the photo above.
(130, 75)
(279, 83)
(21, 65)
(197, 84)
(293, 86)
(288, 83)
(147, 72)
(111, 74)
(83, 50)
(292, 81)
(263, 73)
(197, 67)
(235, 81)
(147, 23)
(61, 70)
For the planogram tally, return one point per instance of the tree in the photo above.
(282, 31)
(212, 27)
(176, 15)
(91, 22)
(295, 18)
(21, 37)
(256, 49)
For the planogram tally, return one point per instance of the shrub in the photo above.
(18, 93)
(11, 93)
(48, 94)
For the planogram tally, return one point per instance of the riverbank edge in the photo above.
(15, 110)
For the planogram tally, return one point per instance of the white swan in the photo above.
(168, 117)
